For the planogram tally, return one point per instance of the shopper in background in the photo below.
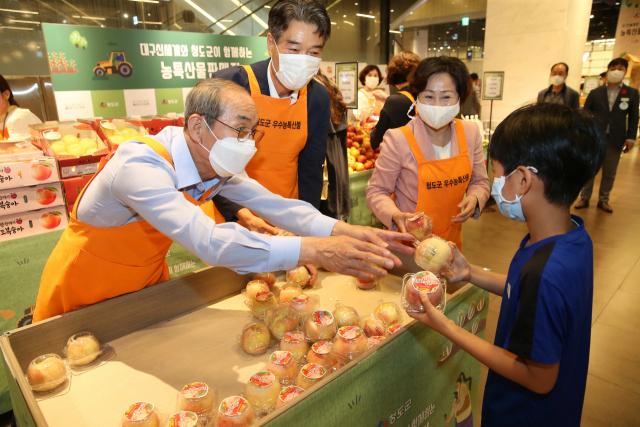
(542, 155)
(435, 164)
(603, 78)
(294, 109)
(559, 92)
(336, 199)
(615, 106)
(189, 24)
(371, 98)
(147, 195)
(471, 106)
(394, 112)
(14, 120)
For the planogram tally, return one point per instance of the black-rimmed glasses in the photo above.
(244, 134)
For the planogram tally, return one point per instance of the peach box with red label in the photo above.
(104, 127)
(22, 173)
(19, 225)
(73, 187)
(24, 199)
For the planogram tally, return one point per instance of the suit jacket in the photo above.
(571, 97)
(392, 116)
(312, 155)
(622, 122)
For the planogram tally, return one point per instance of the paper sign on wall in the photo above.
(347, 81)
(493, 84)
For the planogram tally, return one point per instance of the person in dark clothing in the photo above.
(394, 112)
(559, 92)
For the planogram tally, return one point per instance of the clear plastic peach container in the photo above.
(419, 226)
(296, 343)
(283, 365)
(82, 349)
(46, 373)
(268, 278)
(389, 312)
(423, 282)
(310, 374)
(322, 353)
(235, 411)
(262, 391)
(368, 284)
(281, 319)
(375, 340)
(254, 287)
(255, 338)
(288, 394)
(303, 305)
(345, 316)
(320, 326)
(372, 325)
(289, 291)
(185, 419)
(393, 329)
(198, 398)
(350, 342)
(261, 303)
(435, 255)
(141, 414)
(299, 276)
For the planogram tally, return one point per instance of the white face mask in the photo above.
(615, 76)
(371, 82)
(229, 156)
(436, 116)
(510, 209)
(296, 70)
(557, 80)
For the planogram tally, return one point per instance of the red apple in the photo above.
(377, 150)
(368, 165)
(369, 155)
(268, 278)
(422, 282)
(14, 195)
(41, 171)
(50, 220)
(358, 138)
(235, 411)
(363, 151)
(351, 129)
(361, 159)
(376, 155)
(349, 143)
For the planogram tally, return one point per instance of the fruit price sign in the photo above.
(347, 81)
(492, 85)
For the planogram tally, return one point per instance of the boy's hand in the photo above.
(433, 317)
(461, 270)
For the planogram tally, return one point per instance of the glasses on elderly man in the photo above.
(244, 133)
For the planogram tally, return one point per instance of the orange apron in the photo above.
(275, 164)
(91, 264)
(442, 185)
(408, 95)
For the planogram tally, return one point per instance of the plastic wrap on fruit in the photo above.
(283, 365)
(372, 325)
(320, 326)
(288, 394)
(82, 349)
(393, 329)
(296, 343)
(368, 284)
(141, 414)
(310, 374)
(345, 316)
(254, 287)
(322, 354)
(261, 303)
(389, 312)
(423, 282)
(281, 319)
(185, 419)
(303, 305)
(299, 276)
(262, 391)
(255, 338)
(200, 399)
(289, 291)
(375, 341)
(350, 342)
(235, 411)
(46, 373)
(435, 255)
(420, 226)
(268, 278)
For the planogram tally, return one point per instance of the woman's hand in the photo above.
(399, 218)
(254, 223)
(460, 270)
(468, 206)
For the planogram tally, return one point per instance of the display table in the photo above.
(185, 330)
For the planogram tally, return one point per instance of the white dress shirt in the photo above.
(137, 184)
(274, 93)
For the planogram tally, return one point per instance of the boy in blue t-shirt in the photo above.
(542, 155)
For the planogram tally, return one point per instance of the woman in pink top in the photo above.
(435, 164)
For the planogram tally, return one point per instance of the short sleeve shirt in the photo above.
(545, 317)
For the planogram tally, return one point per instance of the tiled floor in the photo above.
(613, 385)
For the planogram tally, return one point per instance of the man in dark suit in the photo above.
(615, 106)
(559, 92)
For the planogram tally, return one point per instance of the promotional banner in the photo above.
(113, 72)
(628, 30)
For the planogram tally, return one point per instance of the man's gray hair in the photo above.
(204, 99)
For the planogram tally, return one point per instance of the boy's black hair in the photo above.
(619, 61)
(566, 146)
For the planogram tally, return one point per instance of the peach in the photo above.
(366, 284)
(50, 220)
(350, 342)
(419, 225)
(268, 278)
(320, 326)
(346, 316)
(254, 287)
(434, 255)
(302, 305)
(82, 349)
(393, 329)
(41, 171)
(295, 343)
(58, 147)
(261, 302)
(375, 341)
(422, 282)
(255, 338)
(47, 372)
(283, 233)
(288, 394)
(299, 275)
(281, 319)
(235, 411)
(389, 312)
(310, 374)
(283, 365)
(372, 326)
(69, 140)
(88, 143)
(184, 419)
(76, 150)
(141, 414)
(262, 390)
(289, 291)
(117, 139)
(46, 196)
(322, 354)
(197, 398)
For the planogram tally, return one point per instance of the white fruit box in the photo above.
(23, 224)
(108, 128)
(18, 149)
(23, 199)
(22, 173)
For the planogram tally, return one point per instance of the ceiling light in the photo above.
(15, 28)
(267, 7)
(150, 23)
(365, 16)
(350, 23)
(19, 11)
(395, 32)
(211, 18)
(333, 23)
(147, 1)
(13, 21)
(344, 16)
(391, 10)
(64, 21)
(226, 20)
(591, 16)
(89, 17)
(126, 16)
(249, 12)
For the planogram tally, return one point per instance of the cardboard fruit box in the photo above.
(18, 150)
(153, 124)
(73, 187)
(45, 135)
(22, 173)
(107, 128)
(24, 199)
(23, 224)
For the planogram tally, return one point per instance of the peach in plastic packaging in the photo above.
(393, 329)
(82, 349)
(185, 419)
(368, 284)
(198, 398)
(262, 391)
(261, 303)
(296, 343)
(320, 326)
(423, 282)
(255, 338)
(288, 394)
(46, 373)
(389, 312)
(372, 325)
(235, 411)
(350, 342)
(254, 287)
(268, 278)
(299, 276)
(281, 319)
(375, 340)
(419, 226)
(283, 365)
(289, 291)
(141, 414)
(435, 255)
(345, 316)
(303, 305)
(322, 353)
(310, 374)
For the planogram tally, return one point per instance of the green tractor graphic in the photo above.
(116, 65)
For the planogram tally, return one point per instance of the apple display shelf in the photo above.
(184, 330)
